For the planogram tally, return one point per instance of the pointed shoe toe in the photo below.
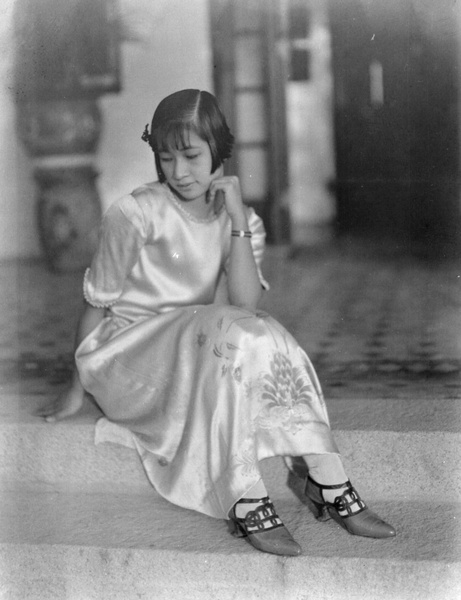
(348, 510)
(276, 541)
(366, 523)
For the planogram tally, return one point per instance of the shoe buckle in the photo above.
(256, 519)
(345, 502)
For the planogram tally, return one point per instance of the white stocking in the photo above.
(327, 469)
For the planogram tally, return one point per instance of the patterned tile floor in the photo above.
(375, 325)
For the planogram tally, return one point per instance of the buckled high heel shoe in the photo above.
(348, 510)
(263, 528)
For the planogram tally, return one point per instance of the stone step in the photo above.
(125, 546)
(403, 465)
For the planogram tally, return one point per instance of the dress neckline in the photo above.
(189, 215)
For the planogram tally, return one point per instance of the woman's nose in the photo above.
(180, 168)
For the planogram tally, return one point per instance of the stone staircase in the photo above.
(79, 521)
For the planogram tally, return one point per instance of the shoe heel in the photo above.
(320, 511)
(298, 487)
(235, 529)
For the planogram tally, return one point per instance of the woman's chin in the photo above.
(184, 194)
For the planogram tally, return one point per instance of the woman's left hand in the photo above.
(232, 195)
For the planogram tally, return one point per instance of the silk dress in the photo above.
(203, 390)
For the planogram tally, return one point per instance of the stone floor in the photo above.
(375, 324)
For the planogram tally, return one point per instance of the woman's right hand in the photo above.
(68, 403)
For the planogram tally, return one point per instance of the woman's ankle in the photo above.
(326, 469)
(257, 492)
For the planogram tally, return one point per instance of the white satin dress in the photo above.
(205, 390)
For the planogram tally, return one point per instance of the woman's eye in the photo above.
(165, 159)
(192, 156)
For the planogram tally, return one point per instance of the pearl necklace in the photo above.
(189, 215)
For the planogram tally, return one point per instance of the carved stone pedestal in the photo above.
(68, 214)
(61, 137)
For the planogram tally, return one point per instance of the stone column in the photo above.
(66, 58)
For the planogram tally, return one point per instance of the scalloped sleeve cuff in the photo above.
(98, 300)
(258, 244)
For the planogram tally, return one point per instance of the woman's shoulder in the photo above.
(138, 207)
(143, 195)
(149, 200)
(150, 194)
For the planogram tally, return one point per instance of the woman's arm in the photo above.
(89, 320)
(122, 234)
(244, 285)
(71, 400)
(242, 274)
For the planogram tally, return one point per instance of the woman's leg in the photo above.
(257, 492)
(326, 469)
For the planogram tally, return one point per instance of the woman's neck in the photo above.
(198, 208)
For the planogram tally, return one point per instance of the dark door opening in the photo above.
(396, 123)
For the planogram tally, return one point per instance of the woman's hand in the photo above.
(229, 186)
(68, 403)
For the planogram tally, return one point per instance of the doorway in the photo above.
(273, 78)
(396, 122)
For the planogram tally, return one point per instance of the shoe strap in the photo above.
(263, 518)
(347, 500)
(254, 500)
(337, 486)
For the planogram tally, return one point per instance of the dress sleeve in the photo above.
(258, 242)
(123, 233)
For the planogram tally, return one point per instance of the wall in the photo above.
(17, 216)
(166, 47)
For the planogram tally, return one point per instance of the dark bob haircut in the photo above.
(189, 111)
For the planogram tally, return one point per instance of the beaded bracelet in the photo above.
(241, 233)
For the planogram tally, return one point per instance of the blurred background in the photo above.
(346, 114)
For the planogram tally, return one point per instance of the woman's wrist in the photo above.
(241, 233)
(239, 222)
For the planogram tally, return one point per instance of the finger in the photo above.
(219, 172)
(216, 175)
(45, 411)
(215, 186)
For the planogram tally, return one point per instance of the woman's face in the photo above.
(187, 169)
